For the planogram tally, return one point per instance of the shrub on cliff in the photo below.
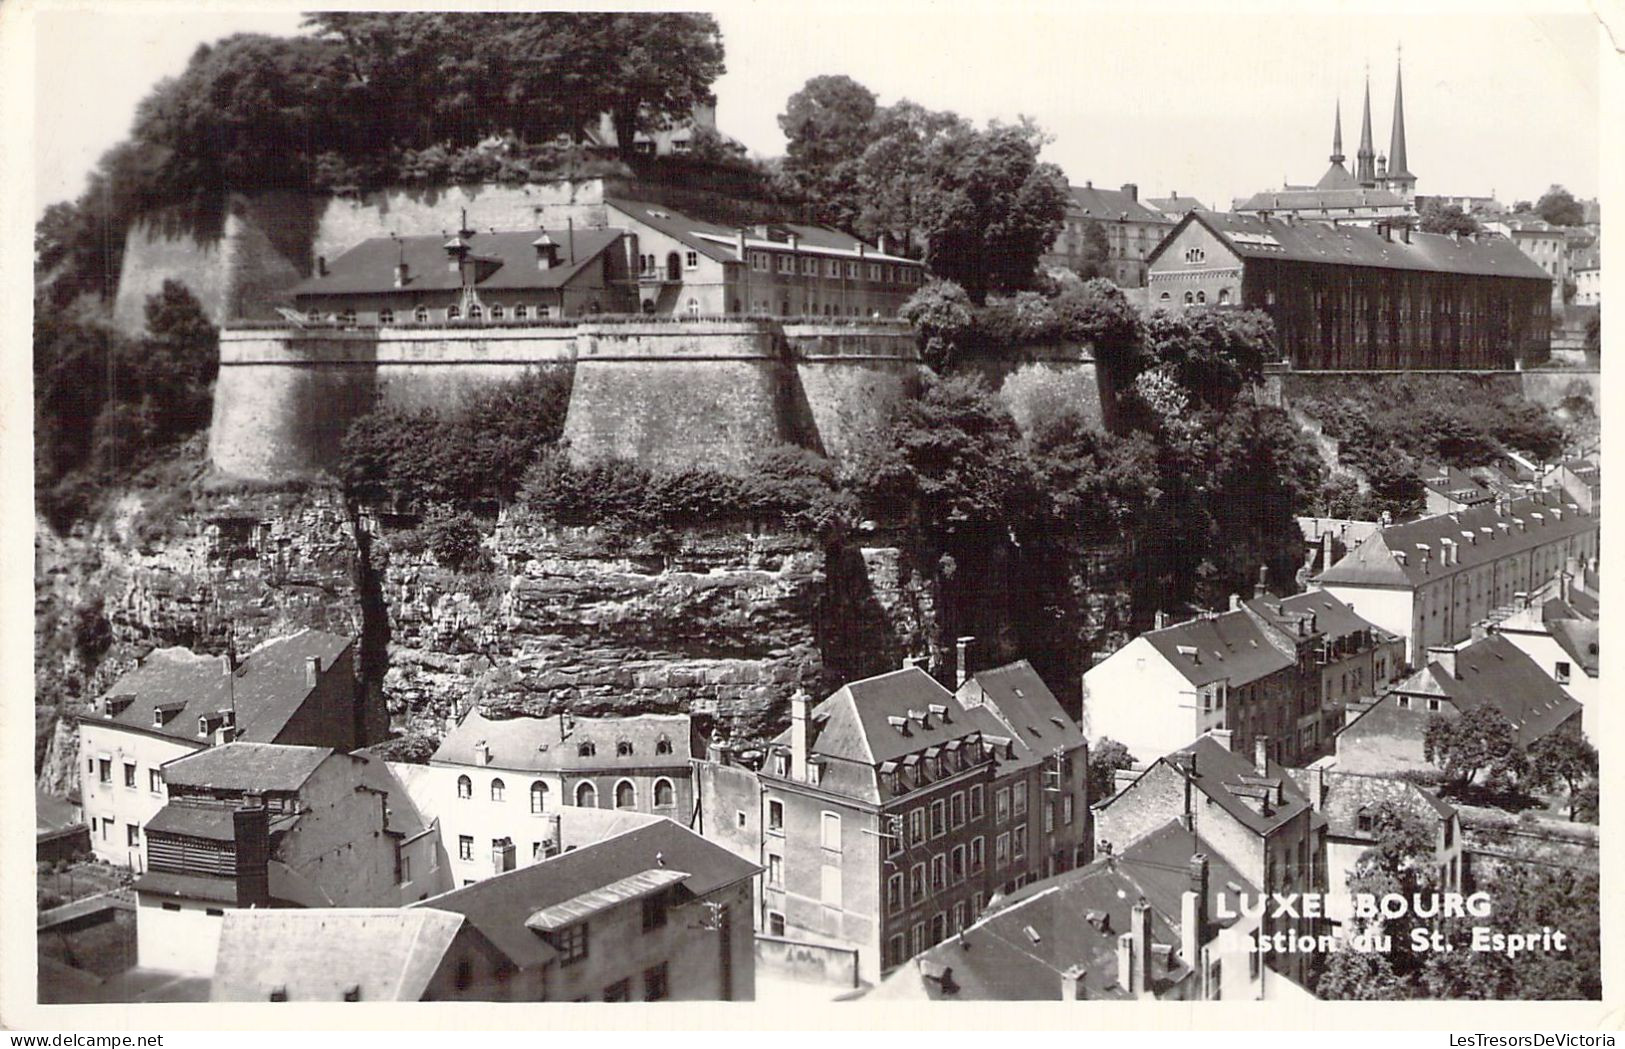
(454, 537)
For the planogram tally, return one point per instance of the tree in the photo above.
(993, 208)
(1360, 976)
(1213, 353)
(654, 67)
(1401, 860)
(827, 124)
(1564, 758)
(1480, 740)
(1105, 758)
(940, 312)
(1098, 314)
(1558, 206)
(1096, 251)
(1593, 343)
(1447, 218)
(895, 186)
(1526, 898)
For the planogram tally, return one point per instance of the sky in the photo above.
(1212, 104)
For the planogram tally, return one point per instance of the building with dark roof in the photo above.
(653, 913)
(1174, 206)
(1578, 479)
(297, 690)
(1131, 230)
(1446, 489)
(1144, 924)
(266, 825)
(467, 276)
(495, 780)
(890, 813)
(1431, 579)
(1486, 672)
(1248, 808)
(1348, 297)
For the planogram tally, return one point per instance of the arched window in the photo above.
(626, 795)
(663, 746)
(1164, 297)
(465, 787)
(386, 316)
(665, 794)
(623, 749)
(347, 317)
(586, 749)
(521, 313)
(1201, 297)
(674, 267)
(497, 312)
(538, 797)
(1224, 296)
(421, 315)
(475, 312)
(1189, 298)
(693, 307)
(497, 788)
(586, 796)
(452, 313)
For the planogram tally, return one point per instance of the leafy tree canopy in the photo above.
(1447, 218)
(1481, 740)
(1558, 206)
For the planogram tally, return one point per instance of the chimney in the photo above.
(403, 273)
(795, 243)
(799, 706)
(962, 660)
(1405, 233)
(547, 252)
(555, 835)
(1223, 737)
(1262, 587)
(1132, 191)
(313, 670)
(1445, 656)
(885, 244)
(1160, 620)
(1193, 913)
(1072, 984)
(482, 753)
(1385, 231)
(225, 665)
(1235, 602)
(321, 265)
(739, 244)
(251, 838)
(1134, 952)
(502, 856)
(1261, 755)
(1478, 631)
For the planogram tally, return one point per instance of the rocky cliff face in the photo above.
(725, 623)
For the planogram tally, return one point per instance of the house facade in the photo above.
(1430, 580)
(264, 825)
(297, 690)
(1344, 297)
(1132, 230)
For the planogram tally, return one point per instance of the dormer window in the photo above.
(1365, 822)
(623, 749)
(586, 749)
(421, 315)
(663, 746)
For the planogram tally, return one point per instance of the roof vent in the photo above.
(900, 724)
(940, 711)
(1191, 653)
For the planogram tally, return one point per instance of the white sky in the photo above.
(1215, 105)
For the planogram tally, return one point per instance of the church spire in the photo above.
(1365, 161)
(1397, 168)
(1337, 134)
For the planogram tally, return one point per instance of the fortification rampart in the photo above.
(666, 394)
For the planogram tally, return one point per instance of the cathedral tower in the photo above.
(1365, 161)
(1398, 178)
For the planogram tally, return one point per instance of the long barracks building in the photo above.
(1346, 297)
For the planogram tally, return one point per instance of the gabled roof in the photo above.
(1017, 705)
(855, 723)
(1455, 484)
(1111, 205)
(1496, 673)
(553, 744)
(506, 262)
(1340, 197)
(1333, 618)
(246, 767)
(499, 907)
(1306, 240)
(1228, 646)
(1226, 778)
(1348, 794)
(1476, 534)
(193, 821)
(385, 954)
(1176, 205)
(267, 690)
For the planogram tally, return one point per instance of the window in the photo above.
(1001, 806)
(916, 883)
(421, 315)
(956, 809)
(313, 315)
(691, 260)
(809, 267)
(1195, 255)
(465, 847)
(571, 943)
(543, 311)
(347, 317)
(894, 951)
(386, 316)
(787, 264)
(171, 906)
(214, 912)
(916, 826)
(452, 313)
(852, 269)
(406, 870)
(1049, 819)
(623, 749)
(521, 313)
(1001, 851)
(959, 916)
(132, 834)
(894, 894)
(917, 938)
(775, 815)
(1066, 809)
(626, 795)
(665, 794)
(279, 994)
(1562, 673)
(939, 818)
(1189, 298)
(465, 787)
(586, 796)
(663, 745)
(538, 798)
(105, 770)
(155, 781)
(586, 749)
(1018, 839)
(654, 912)
(497, 312)
(1018, 797)
(775, 923)
(654, 979)
(758, 261)
(107, 823)
(129, 774)
(775, 871)
(939, 872)
(874, 271)
(619, 991)
(1365, 822)
(976, 802)
(1434, 706)
(939, 928)
(829, 831)
(498, 788)
(693, 307)
(956, 864)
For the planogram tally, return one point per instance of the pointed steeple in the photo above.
(1337, 135)
(1397, 168)
(1365, 161)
